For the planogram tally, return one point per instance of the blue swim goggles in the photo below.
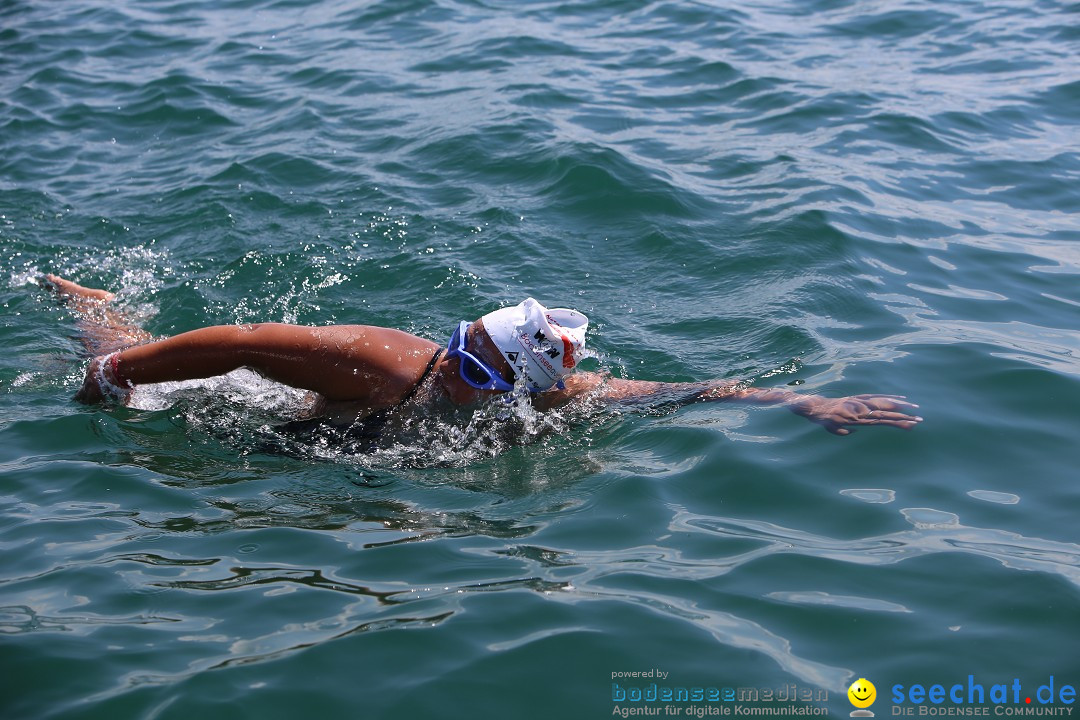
(474, 371)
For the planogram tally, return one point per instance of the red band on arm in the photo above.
(114, 365)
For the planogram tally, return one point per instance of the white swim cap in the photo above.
(542, 344)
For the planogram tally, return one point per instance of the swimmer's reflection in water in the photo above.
(372, 377)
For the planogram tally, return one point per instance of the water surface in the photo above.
(839, 196)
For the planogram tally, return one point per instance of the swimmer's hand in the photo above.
(836, 414)
(92, 392)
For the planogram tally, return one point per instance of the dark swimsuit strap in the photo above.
(427, 371)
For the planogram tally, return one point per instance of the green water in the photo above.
(837, 196)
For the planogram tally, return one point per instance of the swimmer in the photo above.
(364, 371)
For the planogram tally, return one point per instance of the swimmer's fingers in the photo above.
(90, 393)
(904, 422)
(98, 388)
(841, 415)
(885, 402)
(893, 419)
(884, 417)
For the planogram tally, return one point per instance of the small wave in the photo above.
(936, 531)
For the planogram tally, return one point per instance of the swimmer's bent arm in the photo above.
(835, 414)
(345, 362)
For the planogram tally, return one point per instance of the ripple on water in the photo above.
(1002, 498)
(929, 519)
(839, 601)
(870, 495)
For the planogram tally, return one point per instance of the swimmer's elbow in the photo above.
(261, 340)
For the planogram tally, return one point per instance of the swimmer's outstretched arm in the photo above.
(835, 414)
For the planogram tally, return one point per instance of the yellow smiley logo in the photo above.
(862, 693)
